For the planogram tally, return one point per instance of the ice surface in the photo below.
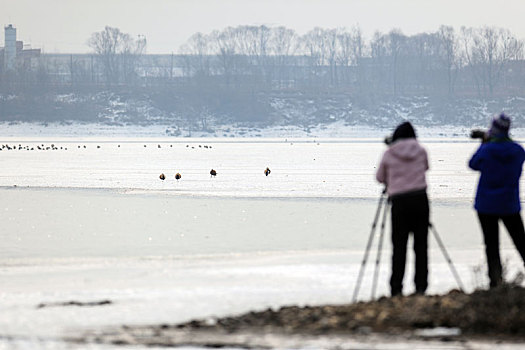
(332, 168)
(90, 224)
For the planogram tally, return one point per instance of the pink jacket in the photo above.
(402, 168)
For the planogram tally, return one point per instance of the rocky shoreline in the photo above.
(489, 315)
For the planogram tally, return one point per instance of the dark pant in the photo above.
(490, 227)
(410, 213)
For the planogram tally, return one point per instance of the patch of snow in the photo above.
(68, 99)
(9, 97)
(438, 332)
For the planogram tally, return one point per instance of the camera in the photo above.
(479, 134)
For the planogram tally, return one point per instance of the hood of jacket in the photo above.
(406, 149)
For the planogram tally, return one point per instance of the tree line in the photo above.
(470, 61)
(482, 62)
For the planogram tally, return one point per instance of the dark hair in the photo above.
(404, 131)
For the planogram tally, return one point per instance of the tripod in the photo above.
(380, 244)
(447, 257)
(369, 245)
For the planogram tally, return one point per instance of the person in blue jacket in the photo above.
(500, 160)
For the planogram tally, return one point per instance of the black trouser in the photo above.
(410, 213)
(490, 227)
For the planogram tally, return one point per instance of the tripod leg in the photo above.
(367, 250)
(447, 257)
(379, 250)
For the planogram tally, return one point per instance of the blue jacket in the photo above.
(500, 162)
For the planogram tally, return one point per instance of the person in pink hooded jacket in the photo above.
(402, 169)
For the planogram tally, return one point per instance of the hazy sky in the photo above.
(65, 25)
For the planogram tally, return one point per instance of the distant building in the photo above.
(10, 47)
(13, 53)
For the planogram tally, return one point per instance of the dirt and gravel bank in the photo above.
(490, 315)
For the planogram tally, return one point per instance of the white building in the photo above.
(13, 56)
(10, 48)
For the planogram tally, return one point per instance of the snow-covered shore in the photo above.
(334, 130)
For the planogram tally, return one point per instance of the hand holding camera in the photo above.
(479, 134)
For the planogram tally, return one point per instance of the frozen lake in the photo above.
(97, 223)
(305, 168)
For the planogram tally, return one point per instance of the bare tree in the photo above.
(345, 53)
(350, 53)
(253, 48)
(130, 56)
(332, 48)
(386, 53)
(118, 53)
(226, 48)
(488, 50)
(392, 63)
(471, 58)
(396, 41)
(379, 56)
(253, 40)
(314, 46)
(283, 42)
(359, 48)
(283, 45)
(198, 49)
(448, 54)
(420, 62)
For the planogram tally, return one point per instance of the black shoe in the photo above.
(396, 293)
(421, 290)
(495, 283)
